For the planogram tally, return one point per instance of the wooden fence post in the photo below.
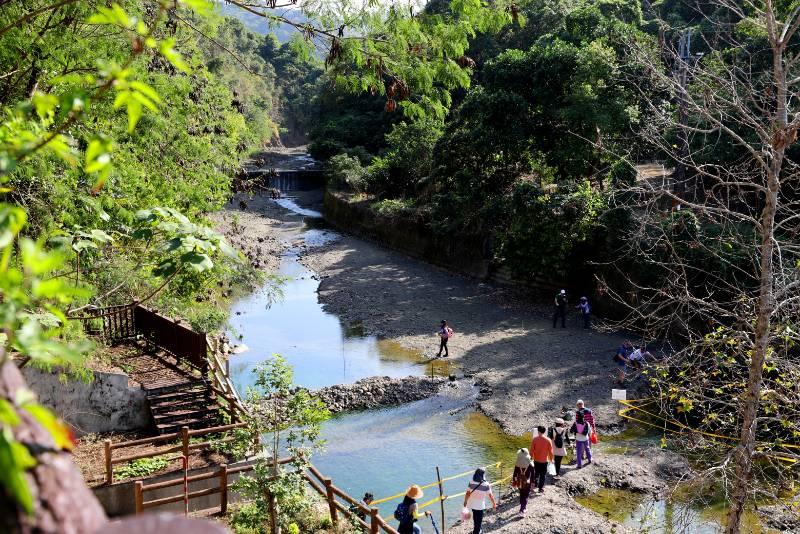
(373, 522)
(441, 498)
(138, 497)
(185, 440)
(109, 465)
(223, 488)
(331, 500)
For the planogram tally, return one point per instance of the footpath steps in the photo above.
(177, 396)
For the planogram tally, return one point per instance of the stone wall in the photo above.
(104, 404)
(465, 254)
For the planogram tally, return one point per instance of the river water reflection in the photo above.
(381, 451)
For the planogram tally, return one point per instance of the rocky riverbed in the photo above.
(379, 391)
(652, 473)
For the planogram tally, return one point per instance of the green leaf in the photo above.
(14, 461)
(101, 237)
(134, 114)
(201, 7)
(146, 90)
(197, 261)
(166, 49)
(44, 103)
(8, 416)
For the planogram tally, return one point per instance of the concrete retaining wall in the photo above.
(105, 404)
(118, 499)
(466, 254)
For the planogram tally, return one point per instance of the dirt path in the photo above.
(532, 368)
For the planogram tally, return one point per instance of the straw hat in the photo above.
(414, 492)
(523, 459)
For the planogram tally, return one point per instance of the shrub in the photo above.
(141, 468)
(346, 172)
(392, 206)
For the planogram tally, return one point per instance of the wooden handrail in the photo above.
(146, 441)
(110, 461)
(375, 524)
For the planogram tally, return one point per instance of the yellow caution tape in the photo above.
(432, 484)
(631, 405)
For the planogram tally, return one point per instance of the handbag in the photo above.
(551, 469)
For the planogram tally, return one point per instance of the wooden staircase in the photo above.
(192, 405)
(177, 395)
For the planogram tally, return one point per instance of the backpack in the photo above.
(402, 513)
(558, 438)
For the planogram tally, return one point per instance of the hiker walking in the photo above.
(523, 478)
(475, 498)
(365, 501)
(586, 311)
(445, 333)
(560, 308)
(542, 452)
(406, 511)
(559, 435)
(582, 431)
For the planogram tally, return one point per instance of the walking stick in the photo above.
(435, 528)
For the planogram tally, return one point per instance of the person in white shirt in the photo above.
(475, 498)
(636, 359)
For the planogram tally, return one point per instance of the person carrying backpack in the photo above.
(559, 435)
(582, 431)
(523, 478)
(406, 511)
(560, 308)
(445, 333)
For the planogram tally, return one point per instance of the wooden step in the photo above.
(181, 405)
(191, 422)
(180, 415)
(164, 388)
(181, 395)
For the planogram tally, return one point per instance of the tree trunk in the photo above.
(743, 454)
(62, 502)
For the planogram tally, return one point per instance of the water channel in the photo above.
(383, 451)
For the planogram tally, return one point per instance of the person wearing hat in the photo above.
(559, 435)
(560, 308)
(523, 477)
(586, 311)
(406, 511)
(475, 498)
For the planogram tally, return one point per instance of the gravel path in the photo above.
(507, 341)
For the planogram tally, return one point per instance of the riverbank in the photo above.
(504, 339)
(525, 370)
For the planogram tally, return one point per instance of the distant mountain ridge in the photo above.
(283, 32)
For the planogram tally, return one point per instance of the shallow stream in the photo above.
(383, 451)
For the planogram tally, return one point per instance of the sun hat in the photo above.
(523, 458)
(414, 492)
(560, 421)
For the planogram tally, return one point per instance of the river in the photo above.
(383, 451)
